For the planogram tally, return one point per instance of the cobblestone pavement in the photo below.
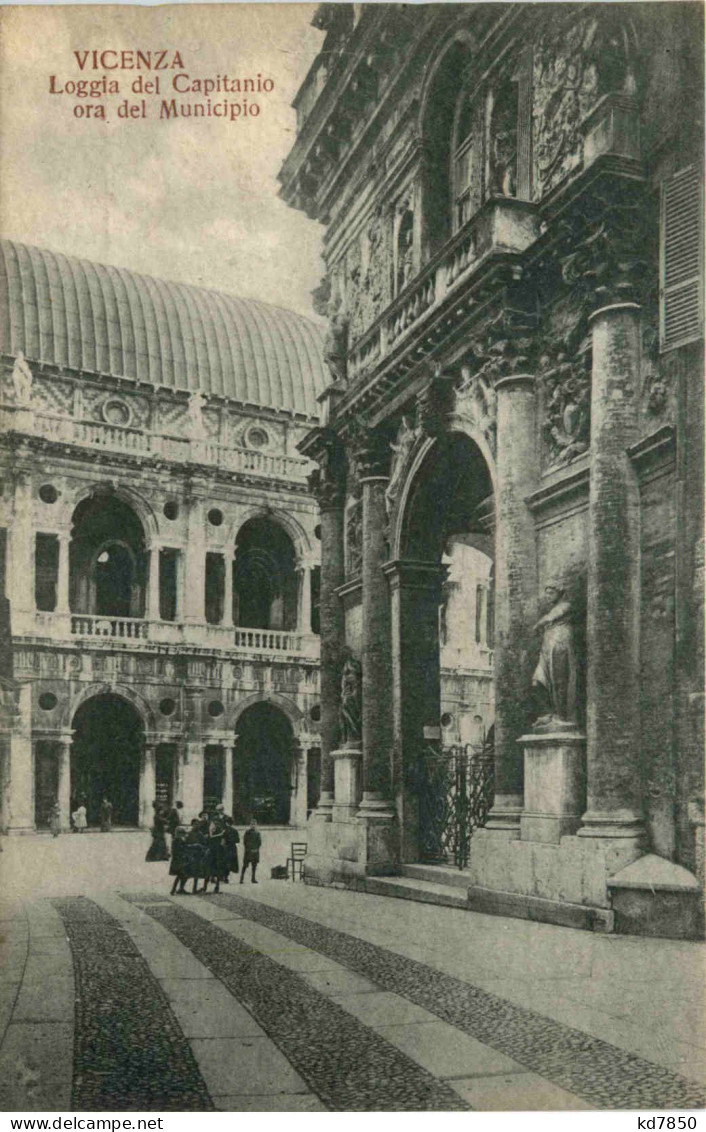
(603, 1074)
(347, 1065)
(129, 1052)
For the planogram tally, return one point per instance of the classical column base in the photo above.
(504, 818)
(623, 825)
(347, 764)
(324, 808)
(555, 784)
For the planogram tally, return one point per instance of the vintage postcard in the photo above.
(351, 543)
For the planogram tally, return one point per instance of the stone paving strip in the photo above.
(349, 1066)
(36, 1055)
(129, 1051)
(603, 1075)
(243, 1069)
(489, 1080)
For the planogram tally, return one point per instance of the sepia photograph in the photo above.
(352, 548)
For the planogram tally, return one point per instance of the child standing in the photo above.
(178, 867)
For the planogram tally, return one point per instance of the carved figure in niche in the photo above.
(406, 439)
(354, 538)
(196, 427)
(350, 714)
(336, 342)
(555, 679)
(503, 142)
(22, 380)
(405, 247)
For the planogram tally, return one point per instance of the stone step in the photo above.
(409, 888)
(438, 874)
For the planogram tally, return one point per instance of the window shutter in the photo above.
(681, 264)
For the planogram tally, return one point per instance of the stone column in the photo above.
(228, 779)
(376, 658)
(328, 485)
(64, 791)
(147, 783)
(62, 581)
(153, 588)
(378, 851)
(305, 600)
(297, 809)
(415, 595)
(515, 591)
(613, 789)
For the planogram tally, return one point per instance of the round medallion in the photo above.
(116, 412)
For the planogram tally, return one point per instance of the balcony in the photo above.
(116, 438)
(500, 231)
(137, 632)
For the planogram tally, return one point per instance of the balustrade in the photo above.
(123, 628)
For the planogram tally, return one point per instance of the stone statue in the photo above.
(336, 342)
(22, 379)
(197, 430)
(555, 679)
(406, 439)
(351, 709)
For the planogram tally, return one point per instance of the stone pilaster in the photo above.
(228, 590)
(192, 778)
(228, 778)
(194, 571)
(515, 591)
(153, 588)
(62, 581)
(305, 599)
(415, 596)
(21, 768)
(613, 787)
(20, 571)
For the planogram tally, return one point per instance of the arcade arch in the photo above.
(106, 757)
(107, 558)
(263, 765)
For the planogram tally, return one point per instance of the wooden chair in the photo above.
(297, 858)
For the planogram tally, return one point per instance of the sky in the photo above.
(193, 200)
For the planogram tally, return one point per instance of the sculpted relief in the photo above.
(555, 682)
(576, 62)
(368, 291)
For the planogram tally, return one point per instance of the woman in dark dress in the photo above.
(158, 849)
(178, 864)
(216, 852)
(231, 838)
(196, 854)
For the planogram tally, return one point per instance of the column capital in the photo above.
(371, 452)
(327, 483)
(512, 383)
(615, 308)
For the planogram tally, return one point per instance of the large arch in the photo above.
(265, 577)
(303, 547)
(263, 764)
(106, 757)
(124, 691)
(442, 548)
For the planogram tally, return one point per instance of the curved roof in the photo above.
(86, 316)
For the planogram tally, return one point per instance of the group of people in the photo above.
(206, 851)
(79, 818)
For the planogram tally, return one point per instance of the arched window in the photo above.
(265, 582)
(477, 132)
(107, 558)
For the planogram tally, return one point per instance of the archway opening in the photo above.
(446, 617)
(263, 766)
(107, 558)
(105, 758)
(264, 577)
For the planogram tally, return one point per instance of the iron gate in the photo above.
(455, 787)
